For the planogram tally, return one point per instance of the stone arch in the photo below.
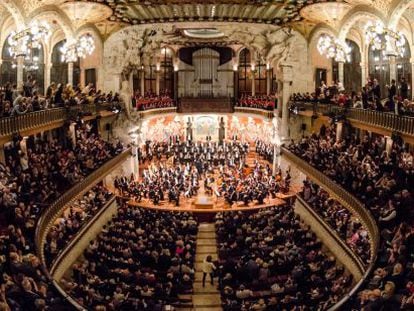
(7, 27)
(397, 12)
(359, 12)
(319, 30)
(47, 12)
(15, 11)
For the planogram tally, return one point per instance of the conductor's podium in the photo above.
(203, 202)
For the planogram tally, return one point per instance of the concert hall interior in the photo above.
(206, 155)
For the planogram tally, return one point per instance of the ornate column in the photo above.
(341, 72)
(253, 71)
(287, 72)
(235, 83)
(276, 145)
(393, 68)
(268, 80)
(412, 77)
(70, 73)
(20, 67)
(48, 67)
(363, 73)
(135, 156)
(157, 81)
(142, 91)
(175, 83)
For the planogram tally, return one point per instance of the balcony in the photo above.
(352, 204)
(384, 123)
(33, 122)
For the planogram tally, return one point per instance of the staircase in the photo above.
(204, 298)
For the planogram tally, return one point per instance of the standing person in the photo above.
(403, 88)
(376, 90)
(392, 91)
(208, 268)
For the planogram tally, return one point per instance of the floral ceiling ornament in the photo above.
(333, 48)
(384, 39)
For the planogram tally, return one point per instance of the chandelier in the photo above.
(31, 62)
(333, 48)
(385, 39)
(85, 45)
(22, 42)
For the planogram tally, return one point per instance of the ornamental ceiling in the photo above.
(108, 16)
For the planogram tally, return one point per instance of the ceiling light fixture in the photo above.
(22, 42)
(331, 47)
(390, 42)
(84, 46)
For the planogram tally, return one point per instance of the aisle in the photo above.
(205, 298)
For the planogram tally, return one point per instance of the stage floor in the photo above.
(204, 203)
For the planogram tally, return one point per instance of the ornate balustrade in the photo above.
(261, 112)
(349, 202)
(357, 262)
(156, 111)
(49, 216)
(31, 120)
(44, 118)
(75, 247)
(384, 120)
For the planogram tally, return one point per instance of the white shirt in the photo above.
(208, 267)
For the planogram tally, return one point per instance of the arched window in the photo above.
(150, 79)
(167, 72)
(59, 70)
(9, 68)
(245, 78)
(8, 71)
(404, 67)
(260, 79)
(379, 68)
(352, 69)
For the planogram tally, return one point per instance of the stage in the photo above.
(205, 204)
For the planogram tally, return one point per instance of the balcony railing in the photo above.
(385, 120)
(156, 111)
(349, 202)
(334, 234)
(49, 216)
(32, 120)
(261, 112)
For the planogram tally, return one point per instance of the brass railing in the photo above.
(49, 216)
(334, 234)
(31, 120)
(386, 120)
(390, 121)
(152, 112)
(262, 112)
(82, 230)
(349, 202)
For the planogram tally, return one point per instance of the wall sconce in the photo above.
(175, 67)
(253, 66)
(235, 67)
